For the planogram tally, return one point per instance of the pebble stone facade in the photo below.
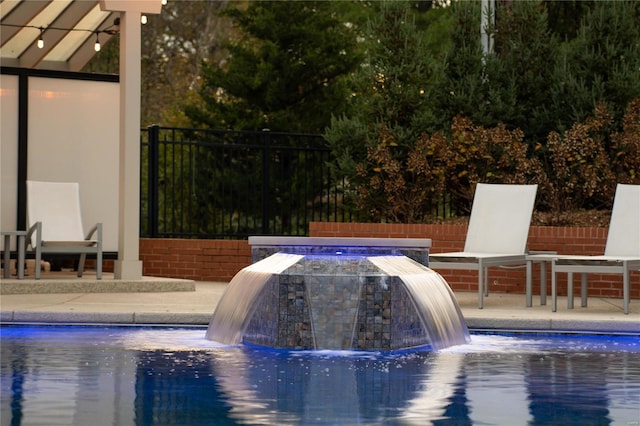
(336, 301)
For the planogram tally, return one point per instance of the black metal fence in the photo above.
(231, 184)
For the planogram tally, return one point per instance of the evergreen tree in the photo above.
(602, 64)
(285, 69)
(390, 89)
(511, 85)
(461, 91)
(565, 16)
(522, 68)
(391, 104)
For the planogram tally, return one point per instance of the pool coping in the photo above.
(195, 308)
(201, 319)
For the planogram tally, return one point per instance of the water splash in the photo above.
(434, 301)
(234, 310)
(338, 302)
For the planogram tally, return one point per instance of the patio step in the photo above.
(69, 283)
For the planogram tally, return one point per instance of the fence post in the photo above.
(153, 196)
(266, 172)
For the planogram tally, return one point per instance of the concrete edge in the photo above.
(95, 286)
(172, 318)
(71, 317)
(202, 319)
(602, 326)
(133, 318)
(511, 323)
(554, 325)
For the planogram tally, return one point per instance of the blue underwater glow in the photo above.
(160, 376)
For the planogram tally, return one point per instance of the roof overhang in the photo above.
(68, 28)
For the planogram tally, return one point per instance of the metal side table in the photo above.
(541, 257)
(20, 247)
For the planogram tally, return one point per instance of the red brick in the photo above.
(220, 260)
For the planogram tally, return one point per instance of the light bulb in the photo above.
(96, 46)
(143, 19)
(40, 40)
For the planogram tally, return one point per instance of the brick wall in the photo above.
(220, 260)
(200, 260)
(569, 240)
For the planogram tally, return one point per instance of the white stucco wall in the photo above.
(73, 135)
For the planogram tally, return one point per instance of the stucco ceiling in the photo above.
(68, 28)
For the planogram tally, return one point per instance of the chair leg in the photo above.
(38, 261)
(569, 290)
(529, 278)
(486, 282)
(21, 251)
(625, 288)
(83, 258)
(38, 249)
(99, 250)
(7, 256)
(543, 283)
(583, 290)
(99, 266)
(480, 285)
(554, 294)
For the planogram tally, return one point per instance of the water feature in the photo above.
(240, 300)
(96, 375)
(338, 301)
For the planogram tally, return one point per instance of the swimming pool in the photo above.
(95, 375)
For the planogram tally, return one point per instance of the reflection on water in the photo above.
(133, 376)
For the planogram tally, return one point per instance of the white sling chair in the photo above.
(497, 232)
(621, 254)
(55, 219)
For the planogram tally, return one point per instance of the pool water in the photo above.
(75, 375)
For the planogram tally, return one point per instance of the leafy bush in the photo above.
(580, 171)
(490, 155)
(626, 146)
(409, 188)
(439, 172)
(401, 188)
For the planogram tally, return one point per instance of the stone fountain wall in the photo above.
(361, 310)
(335, 297)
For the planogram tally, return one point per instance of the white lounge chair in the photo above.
(497, 232)
(53, 212)
(621, 254)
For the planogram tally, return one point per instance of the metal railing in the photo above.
(199, 183)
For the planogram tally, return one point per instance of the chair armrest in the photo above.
(97, 229)
(37, 228)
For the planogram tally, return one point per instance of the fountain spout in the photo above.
(327, 296)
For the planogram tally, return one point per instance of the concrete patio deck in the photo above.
(63, 298)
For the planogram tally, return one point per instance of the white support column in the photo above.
(128, 266)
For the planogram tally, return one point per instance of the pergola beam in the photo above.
(73, 14)
(23, 12)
